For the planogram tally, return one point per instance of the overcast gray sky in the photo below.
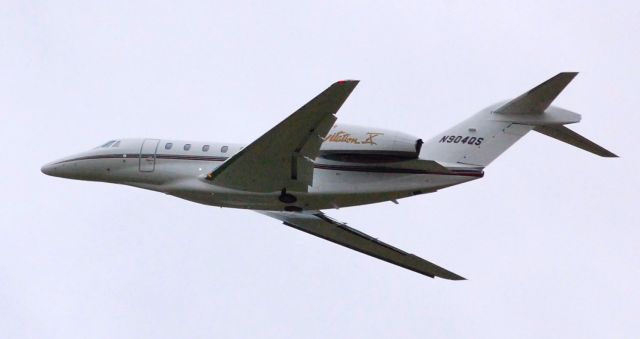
(548, 239)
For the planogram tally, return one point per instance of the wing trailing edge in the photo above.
(320, 225)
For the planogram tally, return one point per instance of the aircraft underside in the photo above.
(379, 188)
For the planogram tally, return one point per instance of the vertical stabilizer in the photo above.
(476, 141)
(480, 139)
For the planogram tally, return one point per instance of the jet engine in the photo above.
(364, 144)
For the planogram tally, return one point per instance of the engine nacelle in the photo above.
(364, 144)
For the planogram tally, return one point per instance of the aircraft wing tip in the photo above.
(568, 76)
(452, 276)
(347, 82)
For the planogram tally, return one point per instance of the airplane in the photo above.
(308, 163)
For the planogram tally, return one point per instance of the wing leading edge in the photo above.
(283, 157)
(318, 224)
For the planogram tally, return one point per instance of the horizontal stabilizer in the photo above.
(538, 99)
(564, 134)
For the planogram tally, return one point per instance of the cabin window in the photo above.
(224, 149)
(168, 145)
(116, 144)
(205, 148)
(187, 147)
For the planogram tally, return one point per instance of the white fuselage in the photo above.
(181, 171)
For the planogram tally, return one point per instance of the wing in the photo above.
(318, 224)
(283, 157)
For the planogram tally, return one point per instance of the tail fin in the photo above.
(480, 139)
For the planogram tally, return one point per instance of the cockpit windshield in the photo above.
(110, 143)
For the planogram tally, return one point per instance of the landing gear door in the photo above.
(148, 155)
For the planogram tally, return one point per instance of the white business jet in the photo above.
(307, 163)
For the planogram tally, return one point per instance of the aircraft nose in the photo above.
(48, 169)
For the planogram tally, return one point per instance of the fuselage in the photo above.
(179, 168)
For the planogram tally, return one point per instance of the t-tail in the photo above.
(480, 139)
